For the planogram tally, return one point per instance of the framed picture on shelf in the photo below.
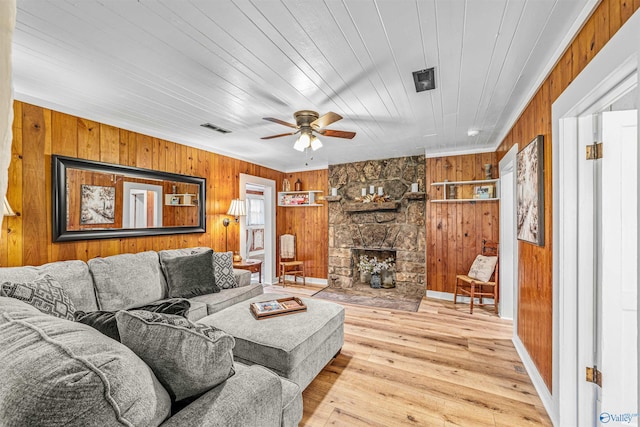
(530, 192)
(483, 192)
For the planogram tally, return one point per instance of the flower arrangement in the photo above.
(373, 266)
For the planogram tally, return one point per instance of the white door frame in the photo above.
(127, 188)
(269, 265)
(508, 239)
(615, 62)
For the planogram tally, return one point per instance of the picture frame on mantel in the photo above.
(530, 192)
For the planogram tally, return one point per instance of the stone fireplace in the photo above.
(394, 227)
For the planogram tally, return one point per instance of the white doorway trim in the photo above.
(615, 62)
(269, 265)
(508, 241)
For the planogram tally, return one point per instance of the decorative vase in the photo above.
(388, 279)
(376, 282)
(298, 185)
(452, 192)
(487, 171)
(365, 277)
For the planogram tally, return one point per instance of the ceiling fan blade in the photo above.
(281, 122)
(278, 136)
(326, 120)
(337, 133)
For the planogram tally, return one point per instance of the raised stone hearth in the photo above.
(395, 226)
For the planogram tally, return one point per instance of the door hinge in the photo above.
(594, 151)
(594, 376)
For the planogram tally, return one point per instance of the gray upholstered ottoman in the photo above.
(296, 346)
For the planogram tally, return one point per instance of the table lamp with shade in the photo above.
(236, 209)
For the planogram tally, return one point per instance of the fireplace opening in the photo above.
(363, 278)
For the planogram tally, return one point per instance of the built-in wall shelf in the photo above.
(293, 199)
(373, 206)
(181, 199)
(480, 190)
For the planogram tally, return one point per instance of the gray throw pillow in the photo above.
(223, 270)
(189, 276)
(187, 358)
(44, 293)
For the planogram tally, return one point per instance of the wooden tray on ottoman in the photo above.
(277, 307)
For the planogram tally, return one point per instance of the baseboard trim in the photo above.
(310, 280)
(448, 296)
(536, 378)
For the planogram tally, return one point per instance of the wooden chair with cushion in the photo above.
(288, 264)
(478, 282)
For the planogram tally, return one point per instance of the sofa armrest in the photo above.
(243, 277)
(251, 397)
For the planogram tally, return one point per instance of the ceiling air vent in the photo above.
(424, 79)
(214, 127)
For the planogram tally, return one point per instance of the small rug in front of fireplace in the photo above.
(405, 302)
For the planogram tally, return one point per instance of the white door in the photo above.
(616, 328)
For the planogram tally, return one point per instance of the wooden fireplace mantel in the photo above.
(370, 207)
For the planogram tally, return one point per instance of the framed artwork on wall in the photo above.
(530, 192)
(97, 204)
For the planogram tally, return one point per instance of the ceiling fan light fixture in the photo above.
(301, 143)
(315, 143)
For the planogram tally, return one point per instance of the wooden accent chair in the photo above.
(288, 263)
(478, 282)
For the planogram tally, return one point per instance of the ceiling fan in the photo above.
(308, 122)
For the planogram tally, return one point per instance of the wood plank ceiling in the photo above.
(164, 67)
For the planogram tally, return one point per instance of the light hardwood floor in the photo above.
(440, 366)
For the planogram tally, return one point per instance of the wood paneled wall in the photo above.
(40, 132)
(535, 308)
(310, 224)
(455, 230)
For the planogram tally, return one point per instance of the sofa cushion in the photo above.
(57, 372)
(43, 293)
(228, 297)
(197, 311)
(189, 275)
(105, 321)
(188, 358)
(223, 266)
(73, 276)
(127, 280)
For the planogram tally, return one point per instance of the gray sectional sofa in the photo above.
(60, 372)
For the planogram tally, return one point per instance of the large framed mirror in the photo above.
(95, 200)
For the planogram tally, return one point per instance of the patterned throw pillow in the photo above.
(483, 267)
(223, 270)
(187, 358)
(44, 293)
(105, 321)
